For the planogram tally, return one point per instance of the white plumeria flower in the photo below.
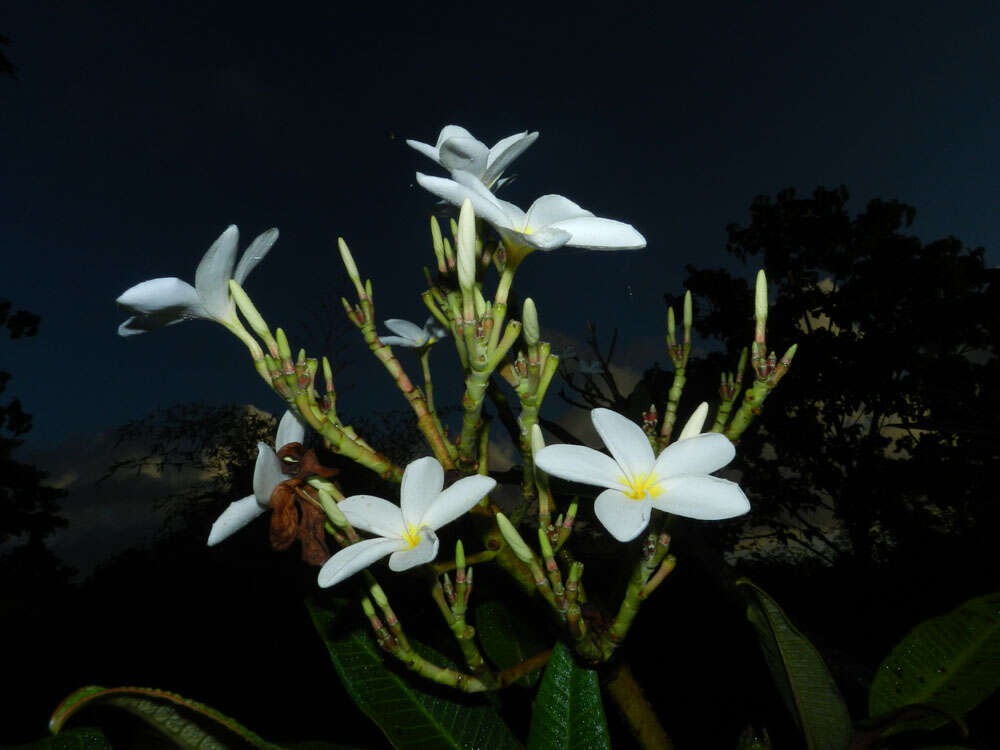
(410, 335)
(551, 222)
(163, 302)
(456, 149)
(404, 532)
(267, 475)
(677, 481)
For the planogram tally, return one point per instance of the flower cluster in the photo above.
(290, 481)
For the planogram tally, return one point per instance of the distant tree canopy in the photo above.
(889, 425)
(28, 508)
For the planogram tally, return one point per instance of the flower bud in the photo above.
(517, 545)
(467, 246)
(695, 422)
(687, 313)
(760, 299)
(348, 259)
(438, 244)
(529, 318)
(459, 555)
(249, 311)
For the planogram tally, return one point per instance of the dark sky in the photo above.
(137, 131)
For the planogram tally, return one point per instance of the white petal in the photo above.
(254, 254)
(625, 439)
(578, 463)
(455, 193)
(290, 430)
(623, 517)
(513, 216)
(426, 149)
(397, 341)
(707, 498)
(425, 551)
(422, 483)
(452, 131)
(374, 515)
(457, 500)
(267, 474)
(407, 330)
(214, 272)
(464, 153)
(158, 303)
(504, 152)
(234, 518)
(601, 234)
(552, 208)
(701, 454)
(695, 422)
(355, 558)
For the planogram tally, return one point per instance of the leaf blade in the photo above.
(802, 678)
(156, 708)
(951, 661)
(409, 717)
(568, 712)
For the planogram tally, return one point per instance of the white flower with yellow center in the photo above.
(677, 481)
(405, 532)
(551, 222)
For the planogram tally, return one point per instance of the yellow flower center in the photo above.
(412, 536)
(639, 487)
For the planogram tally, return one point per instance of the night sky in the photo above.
(136, 132)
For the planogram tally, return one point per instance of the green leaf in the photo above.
(84, 738)
(568, 712)
(952, 661)
(426, 717)
(188, 723)
(506, 640)
(802, 678)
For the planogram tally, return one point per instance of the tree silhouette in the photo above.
(878, 449)
(28, 508)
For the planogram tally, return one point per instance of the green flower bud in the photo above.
(517, 545)
(529, 318)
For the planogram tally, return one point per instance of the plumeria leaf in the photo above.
(948, 661)
(411, 712)
(568, 713)
(188, 723)
(508, 640)
(802, 679)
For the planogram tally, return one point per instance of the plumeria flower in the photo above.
(410, 335)
(267, 475)
(677, 481)
(405, 532)
(551, 222)
(163, 302)
(457, 149)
